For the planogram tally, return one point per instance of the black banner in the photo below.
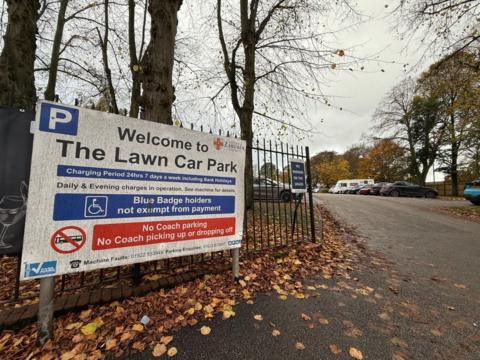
(15, 156)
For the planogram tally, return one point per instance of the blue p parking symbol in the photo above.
(58, 119)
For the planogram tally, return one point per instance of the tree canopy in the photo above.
(435, 117)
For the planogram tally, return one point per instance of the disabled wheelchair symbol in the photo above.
(96, 206)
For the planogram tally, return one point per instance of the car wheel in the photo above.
(286, 196)
(474, 202)
(430, 195)
(394, 193)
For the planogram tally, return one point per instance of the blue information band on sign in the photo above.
(121, 174)
(98, 206)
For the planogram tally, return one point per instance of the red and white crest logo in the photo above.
(218, 143)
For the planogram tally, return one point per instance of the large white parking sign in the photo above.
(107, 190)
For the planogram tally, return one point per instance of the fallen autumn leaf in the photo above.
(166, 339)
(306, 317)
(299, 346)
(172, 351)
(89, 329)
(399, 342)
(205, 330)
(355, 353)
(137, 327)
(334, 348)
(110, 344)
(159, 350)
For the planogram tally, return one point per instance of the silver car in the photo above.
(268, 189)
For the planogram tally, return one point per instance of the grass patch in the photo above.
(471, 212)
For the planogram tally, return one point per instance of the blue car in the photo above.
(471, 192)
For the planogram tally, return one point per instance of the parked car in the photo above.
(352, 189)
(404, 188)
(356, 188)
(471, 191)
(375, 190)
(365, 190)
(267, 189)
(349, 188)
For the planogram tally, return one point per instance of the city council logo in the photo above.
(218, 143)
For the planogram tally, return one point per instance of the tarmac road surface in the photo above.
(414, 234)
(424, 304)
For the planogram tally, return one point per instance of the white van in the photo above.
(343, 186)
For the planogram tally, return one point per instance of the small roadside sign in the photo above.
(298, 176)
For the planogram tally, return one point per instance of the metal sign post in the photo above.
(310, 198)
(298, 201)
(236, 264)
(298, 185)
(45, 310)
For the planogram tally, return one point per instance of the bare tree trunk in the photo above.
(135, 67)
(158, 92)
(251, 29)
(248, 38)
(454, 169)
(17, 81)
(455, 144)
(135, 96)
(247, 135)
(413, 161)
(423, 174)
(57, 41)
(113, 107)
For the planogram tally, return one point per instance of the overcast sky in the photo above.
(360, 92)
(357, 92)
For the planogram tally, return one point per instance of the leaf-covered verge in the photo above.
(465, 212)
(112, 330)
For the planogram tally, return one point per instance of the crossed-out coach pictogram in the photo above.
(68, 239)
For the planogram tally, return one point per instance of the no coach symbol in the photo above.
(68, 239)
